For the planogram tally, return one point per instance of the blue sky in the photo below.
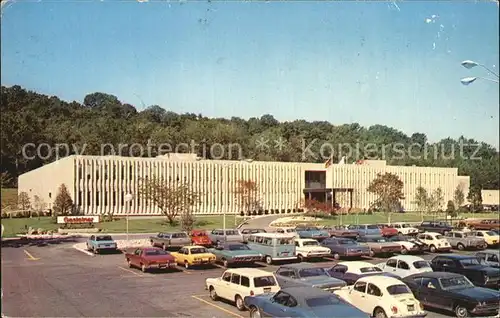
(396, 64)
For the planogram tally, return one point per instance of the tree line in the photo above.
(31, 117)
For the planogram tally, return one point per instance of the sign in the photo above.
(76, 219)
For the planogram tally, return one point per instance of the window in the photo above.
(311, 272)
(322, 301)
(403, 265)
(479, 234)
(398, 289)
(264, 281)
(431, 283)
(492, 258)
(286, 272)
(360, 287)
(235, 279)
(421, 264)
(340, 269)
(374, 290)
(245, 281)
(226, 277)
(392, 263)
(281, 298)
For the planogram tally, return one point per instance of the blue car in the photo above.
(312, 232)
(301, 302)
(101, 243)
(365, 229)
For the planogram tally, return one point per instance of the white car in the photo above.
(287, 230)
(405, 265)
(405, 228)
(237, 283)
(382, 297)
(408, 244)
(309, 248)
(435, 241)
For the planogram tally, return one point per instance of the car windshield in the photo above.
(231, 232)
(104, 238)
(456, 282)
(372, 227)
(322, 301)
(421, 264)
(469, 261)
(264, 281)
(313, 271)
(238, 247)
(406, 226)
(312, 228)
(490, 233)
(310, 243)
(156, 252)
(346, 242)
(198, 250)
(398, 289)
(372, 269)
(379, 240)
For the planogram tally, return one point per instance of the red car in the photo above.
(387, 231)
(200, 237)
(147, 258)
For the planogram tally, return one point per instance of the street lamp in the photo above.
(128, 199)
(469, 80)
(468, 64)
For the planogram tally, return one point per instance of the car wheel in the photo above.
(164, 247)
(461, 312)
(432, 249)
(460, 246)
(129, 263)
(213, 294)
(239, 303)
(225, 263)
(269, 260)
(186, 264)
(254, 312)
(372, 253)
(336, 256)
(404, 251)
(485, 246)
(379, 313)
(143, 268)
(300, 258)
(95, 250)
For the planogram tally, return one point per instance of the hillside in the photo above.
(29, 117)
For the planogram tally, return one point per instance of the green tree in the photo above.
(63, 204)
(437, 200)
(475, 199)
(389, 189)
(422, 201)
(450, 209)
(24, 202)
(459, 196)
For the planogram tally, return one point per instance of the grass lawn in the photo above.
(19, 225)
(9, 197)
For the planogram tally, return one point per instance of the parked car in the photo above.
(147, 258)
(405, 265)
(237, 283)
(387, 230)
(101, 243)
(467, 265)
(343, 247)
(312, 232)
(491, 238)
(170, 240)
(382, 297)
(453, 292)
(229, 235)
(405, 228)
(489, 257)
(306, 274)
(350, 272)
(245, 233)
(341, 231)
(200, 237)
(309, 248)
(193, 255)
(435, 241)
(409, 244)
(274, 246)
(379, 245)
(365, 229)
(491, 224)
(434, 227)
(461, 240)
(287, 230)
(235, 253)
(304, 302)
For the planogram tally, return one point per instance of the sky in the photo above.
(388, 63)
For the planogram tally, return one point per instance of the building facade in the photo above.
(99, 184)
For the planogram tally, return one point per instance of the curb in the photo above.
(82, 250)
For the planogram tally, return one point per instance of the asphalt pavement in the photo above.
(55, 280)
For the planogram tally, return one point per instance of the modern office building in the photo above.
(99, 184)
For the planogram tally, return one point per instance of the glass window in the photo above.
(470, 261)
(226, 277)
(264, 281)
(157, 252)
(286, 272)
(455, 282)
(398, 289)
(199, 250)
(370, 269)
(421, 264)
(392, 263)
(374, 290)
(403, 265)
(322, 301)
(313, 271)
(281, 298)
(245, 281)
(360, 287)
(431, 283)
(235, 279)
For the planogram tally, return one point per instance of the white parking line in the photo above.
(82, 250)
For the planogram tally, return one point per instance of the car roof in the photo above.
(249, 272)
(194, 246)
(272, 235)
(300, 265)
(456, 256)
(305, 292)
(431, 233)
(437, 275)
(490, 251)
(356, 264)
(225, 230)
(306, 239)
(407, 258)
(381, 280)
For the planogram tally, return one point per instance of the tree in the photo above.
(389, 189)
(173, 199)
(24, 202)
(450, 209)
(38, 204)
(459, 196)
(422, 201)
(475, 199)
(248, 196)
(187, 221)
(437, 200)
(5, 179)
(63, 204)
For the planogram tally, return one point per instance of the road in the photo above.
(58, 281)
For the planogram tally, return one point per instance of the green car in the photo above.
(235, 253)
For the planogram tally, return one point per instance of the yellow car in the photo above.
(490, 237)
(193, 255)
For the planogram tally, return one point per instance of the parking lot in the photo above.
(59, 281)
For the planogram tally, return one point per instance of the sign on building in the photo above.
(77, 219)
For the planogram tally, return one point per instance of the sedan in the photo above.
(301, 302)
